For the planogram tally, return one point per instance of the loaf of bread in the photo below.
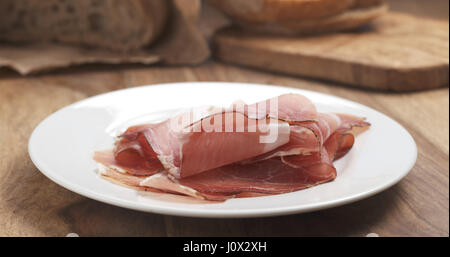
(114, 24)
(300, 16)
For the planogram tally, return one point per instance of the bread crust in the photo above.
(122, 25)
(347, 20)
(301, 16)
(258, 11)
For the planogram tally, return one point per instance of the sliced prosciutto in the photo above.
(193, 149)
(132, 164)
(293, 108)
(275, 146)
(309, 137)
(220, 138)
(272, 176)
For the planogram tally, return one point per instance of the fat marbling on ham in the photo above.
(275, 146)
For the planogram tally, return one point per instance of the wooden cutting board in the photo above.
(397, 52)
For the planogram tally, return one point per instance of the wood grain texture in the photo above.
(397, 52)
(32, 205)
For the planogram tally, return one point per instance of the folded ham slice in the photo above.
(275, 146)
(293, 108)
(309, 137)
(272, 176)
(194, 149)
(186, 147)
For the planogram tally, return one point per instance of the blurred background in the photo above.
(437, 9)
(411, 87)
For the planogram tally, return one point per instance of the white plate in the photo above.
(63, 144)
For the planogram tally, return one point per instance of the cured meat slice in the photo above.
(350, 121)
(308, 138)
(270, 176)
(274, 176)
(185, 149)
(293, 108)
(165, 183)
(132, 163)
(267, 177)
(203, 145)
(275, 146)
(157, 182)
(328, 123)
(302, 140)
(134, 153)
(133, 149)
(204, 151)
(336, 146)
(346, 143)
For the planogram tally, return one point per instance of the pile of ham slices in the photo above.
(275, 146)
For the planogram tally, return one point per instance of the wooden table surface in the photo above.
(32, 205)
